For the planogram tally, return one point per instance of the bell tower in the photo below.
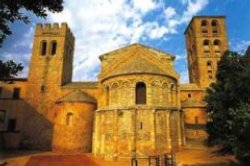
(206, 42)
(51, 63)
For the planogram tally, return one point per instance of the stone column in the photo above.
(115, 134)
(179, 130)
(183, 128)
(153, 134)
(96, 133)
(102, 133)
(169, 146)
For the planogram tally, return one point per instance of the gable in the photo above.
(134, 59)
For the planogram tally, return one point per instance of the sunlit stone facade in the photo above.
(137, 106)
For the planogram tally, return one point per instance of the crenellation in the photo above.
(54, 29)
(55, 26)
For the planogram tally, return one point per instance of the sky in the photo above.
(101, 26)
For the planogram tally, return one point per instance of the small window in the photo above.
(43, 47)
(204, 26)
(217, 46)
(43, 88)
(189, 95)
(11, 125)
(53, 47)
(140, 93)
(206, 45)
(69, 117)
(215, 26)
(141, 126)
(210, 76)
(204, 23)
(16, 93)
(2, 116)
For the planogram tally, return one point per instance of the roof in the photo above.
(194, 17)
(190, 87)
(81, 85)
(191, 103)
(136, 46)
(77, 96)
(137, 66)
(13, 79)
(137, 59)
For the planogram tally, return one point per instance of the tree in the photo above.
(228, 107)
(12, 10)
(9, 69)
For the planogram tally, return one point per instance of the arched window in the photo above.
(43, 48)
(215, 26)
(114, 94)
(140, 93)
(217, 46)
(204, 26)
(53, 47)
(209, 70)
(69, 117)
(206, 45)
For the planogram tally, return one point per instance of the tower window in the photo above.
(141, 93)
(217, 46)
(69, 117)
(204, 26)
(53, 47)
(16, 93)
(43, 47)
(215, 26)
(206, 45)
(11, 125)
(209, 70)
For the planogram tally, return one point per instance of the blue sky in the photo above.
(101, 26)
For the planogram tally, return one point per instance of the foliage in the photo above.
(228, 106)
(9, 69)
(14, 10)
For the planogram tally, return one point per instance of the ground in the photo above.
(188, 157)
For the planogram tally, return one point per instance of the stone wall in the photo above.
(73, 127)
(141, 131)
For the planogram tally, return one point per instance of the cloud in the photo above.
(191, 9)
(101, 26)
(184, 76)
(169, 12)
(240, 46)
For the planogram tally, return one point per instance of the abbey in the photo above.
(137, 107)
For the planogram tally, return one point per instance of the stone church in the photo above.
(137, 107)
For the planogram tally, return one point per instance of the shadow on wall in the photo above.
(22, 127)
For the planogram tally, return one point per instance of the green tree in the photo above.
(228, 107)
(9, 69)
(13, 10)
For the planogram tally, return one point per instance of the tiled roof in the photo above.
(77, 96)
(81, 85)
(139, 65)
